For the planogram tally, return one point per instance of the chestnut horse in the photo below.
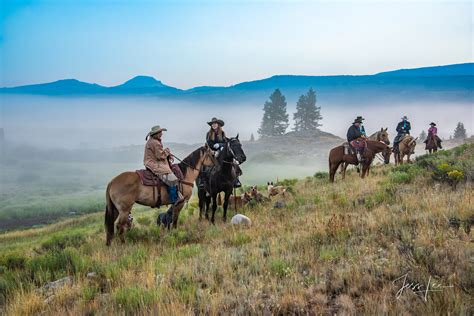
(126, 189)
(381, 136)
(431, 144)
(337, 157)
(406, 147)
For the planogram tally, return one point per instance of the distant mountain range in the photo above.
(450, 82)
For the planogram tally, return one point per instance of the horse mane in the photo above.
(190, 160)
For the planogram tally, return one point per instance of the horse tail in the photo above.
(111, 214)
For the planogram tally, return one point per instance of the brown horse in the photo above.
(381, 136)
(337, 157)
(431, 144)
(126, 189)
(406, 147)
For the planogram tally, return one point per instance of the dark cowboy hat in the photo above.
(359, 119)
(215, 120)
(434, 124)
(154, 130)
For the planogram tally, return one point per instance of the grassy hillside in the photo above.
(333, 248)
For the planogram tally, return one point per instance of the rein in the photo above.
(188, 165)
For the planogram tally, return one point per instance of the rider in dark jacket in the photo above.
(354, 132)
(216, 139)
(403, 128)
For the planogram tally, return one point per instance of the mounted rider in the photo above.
(157, 160)
(433, 132)
(356, 138)
(215, 137)
(216, 140)
(403, 128)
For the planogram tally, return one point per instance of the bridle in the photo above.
(207, 153)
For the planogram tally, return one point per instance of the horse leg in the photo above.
(176, 210)
(333, 169)
(344, 167)
(201, 203)
(365, 169)
(208, 204)
(214, 208)
(124, 211)
(226, 204)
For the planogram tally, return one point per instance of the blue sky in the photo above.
(195, 43)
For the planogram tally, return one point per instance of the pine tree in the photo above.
(275, 117)
(307, 114)
(460, 131)
(252, 138)
(422, 136)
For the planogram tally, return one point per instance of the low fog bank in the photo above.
(105, 122)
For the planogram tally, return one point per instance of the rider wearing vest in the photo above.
(355, 134)
(156, 159)
(433, 132)
(216, 139)
(403, 128)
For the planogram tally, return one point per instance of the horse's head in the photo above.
(235, 148)
(386, 153)
(383, 136)
(412, 145)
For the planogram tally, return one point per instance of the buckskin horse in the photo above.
(221, 178)
(337, 157)
(406, 147)
(126, 189)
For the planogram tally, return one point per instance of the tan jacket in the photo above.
(155, 157)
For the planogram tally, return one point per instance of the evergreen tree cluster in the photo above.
(275, 117)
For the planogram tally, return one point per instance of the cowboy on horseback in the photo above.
(356, 138)
(433, 133)
(157, 160)
(216, 139)
(403, 128)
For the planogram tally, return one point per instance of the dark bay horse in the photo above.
(221, 178)
(431, 144)
(126, 189)
(337, 157)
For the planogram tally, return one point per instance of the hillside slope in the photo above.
(340, 248)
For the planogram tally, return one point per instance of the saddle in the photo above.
(356, 145)
(148, 178)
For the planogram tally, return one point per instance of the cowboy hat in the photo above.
(434, 124)
(155, 130)
(404, 117)
(215, 120)
(359, 119)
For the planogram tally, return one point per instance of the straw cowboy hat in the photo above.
(154, 130)
(215, 120)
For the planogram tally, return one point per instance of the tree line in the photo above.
(275, 119)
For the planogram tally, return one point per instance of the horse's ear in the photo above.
(386, 128)
(237, 137)
(381, 129)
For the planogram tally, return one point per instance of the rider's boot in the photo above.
(175, 197)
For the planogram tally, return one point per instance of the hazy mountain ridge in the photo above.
(447, 82)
